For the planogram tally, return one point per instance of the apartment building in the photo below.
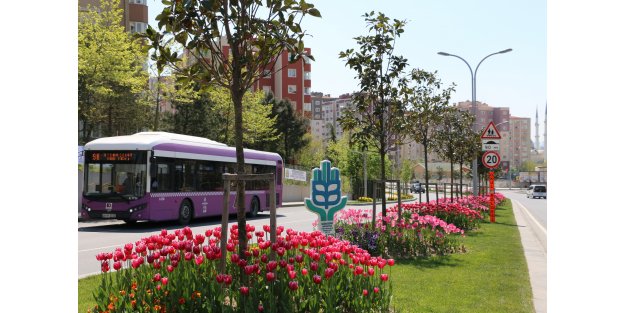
(285, 79)
(521, 143)
(326, 112)
(135, 13)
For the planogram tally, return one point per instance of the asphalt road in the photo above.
(536, 207)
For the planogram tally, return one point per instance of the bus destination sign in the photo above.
(111, 156)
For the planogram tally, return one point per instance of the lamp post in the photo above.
(473, 104)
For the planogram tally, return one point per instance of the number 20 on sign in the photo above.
(491, 159)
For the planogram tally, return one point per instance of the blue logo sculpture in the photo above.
(326, 196)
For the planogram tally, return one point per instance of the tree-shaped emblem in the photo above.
(325, 195)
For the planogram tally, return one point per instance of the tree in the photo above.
(377, 119)
(259, 123)
(290, 129)
(406, 172)
(450, 138)
(426, 104)
(311, 154)
(470, 146)
(256, 32)
(111, 79)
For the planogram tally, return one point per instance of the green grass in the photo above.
(86, 286)
(491, 276)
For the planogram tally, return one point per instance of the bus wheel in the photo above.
(130, 222)
(254, 207)
(186, 213)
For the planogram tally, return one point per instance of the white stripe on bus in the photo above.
(187, 155)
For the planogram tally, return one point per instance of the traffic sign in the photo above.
(490, 132)
(490, 144)
(491, 159)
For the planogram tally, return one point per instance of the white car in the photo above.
(537, 191)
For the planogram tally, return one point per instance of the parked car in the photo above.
(416, 187)
(537, 191)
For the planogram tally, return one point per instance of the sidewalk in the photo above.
(534, 240)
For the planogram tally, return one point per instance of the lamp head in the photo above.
(444, 53)
(505, 51)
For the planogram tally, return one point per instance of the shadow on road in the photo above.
(149, 227)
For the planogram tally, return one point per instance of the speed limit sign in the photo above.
(491, 159)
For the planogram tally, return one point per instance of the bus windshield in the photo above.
(115, 174)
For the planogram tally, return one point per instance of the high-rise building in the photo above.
(326, 112)
(521, 140)
(135, 13)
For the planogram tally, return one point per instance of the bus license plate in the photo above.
(107, 215)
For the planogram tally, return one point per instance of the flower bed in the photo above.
(179, 272)
(452, 213)
(414, 236)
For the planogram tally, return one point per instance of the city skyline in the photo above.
(516, 79)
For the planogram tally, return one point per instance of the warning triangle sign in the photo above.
(490, 132)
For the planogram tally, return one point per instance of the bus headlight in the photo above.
(137, 208)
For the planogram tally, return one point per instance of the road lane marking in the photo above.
(532, 217)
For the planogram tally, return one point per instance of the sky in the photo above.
(469, 29)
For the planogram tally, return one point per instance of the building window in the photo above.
(292, 72)
(292, 88)
(317, 109)
(138, 27)
(267, 90)
(307, 106)
(307, 75)
(267, 73)
(307, 90)
(138, 1)
(306, 59)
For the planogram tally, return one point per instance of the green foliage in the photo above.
(111, 79)
(311, 154)
(528, 166)
(406, 171)
(426, 104)
(290, 129)
(378, 114)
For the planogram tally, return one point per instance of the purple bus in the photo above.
(159, 176)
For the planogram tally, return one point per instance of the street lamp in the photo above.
(473, 104)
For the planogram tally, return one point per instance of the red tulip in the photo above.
(304, 271)
(384, 277)
(293, 285)
(376, 290)
(270, 276)
(244, 290)
(365, 292)
(164, 280)
(317, 279)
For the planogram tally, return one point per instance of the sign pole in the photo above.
(491, 180)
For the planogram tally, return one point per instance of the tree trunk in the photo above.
(158, 101)
(383, 176)
(427, 176)
(461, 161)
